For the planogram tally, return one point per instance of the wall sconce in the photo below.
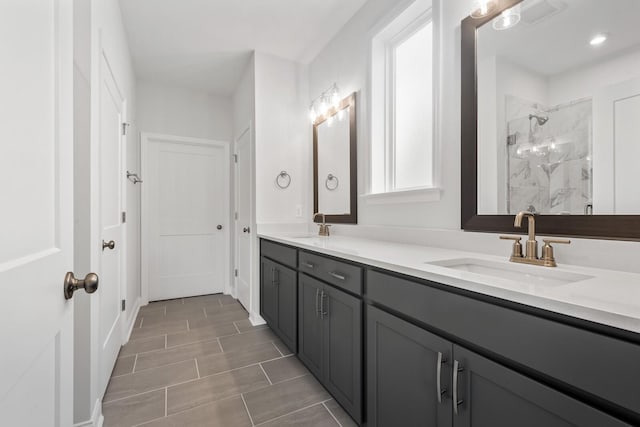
(482, 8)
(327, 101)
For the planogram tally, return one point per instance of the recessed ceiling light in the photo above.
(598, 39)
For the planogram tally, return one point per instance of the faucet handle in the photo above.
(554, 241)
(516, 251)
(547, 251)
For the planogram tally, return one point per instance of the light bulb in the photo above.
(507, 19)
(598, 39)
(482, 8)
(335, 99)
(341, 114)
(312, 115)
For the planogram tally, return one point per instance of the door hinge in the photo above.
(124, 304)
(124, 217)
(235, 158)
(124, 128)
(235, 272)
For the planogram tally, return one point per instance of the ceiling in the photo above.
(559, 42)
(206, 44)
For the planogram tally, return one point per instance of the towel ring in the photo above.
(283, 176)
(331, 178)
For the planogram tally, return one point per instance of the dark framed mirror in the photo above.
(335, 164)
(549, 120)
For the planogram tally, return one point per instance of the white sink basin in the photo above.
(525, 274)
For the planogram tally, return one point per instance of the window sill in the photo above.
(403, 196)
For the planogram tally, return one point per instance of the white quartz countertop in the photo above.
(607, 297)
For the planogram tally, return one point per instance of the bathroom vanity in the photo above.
(410, 335)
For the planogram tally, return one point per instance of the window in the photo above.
(402, 102)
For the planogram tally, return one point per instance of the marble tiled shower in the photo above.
(549, 166)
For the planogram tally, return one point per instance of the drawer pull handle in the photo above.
(309, 265)
(439, 390)
(337, 275)
(456, 368)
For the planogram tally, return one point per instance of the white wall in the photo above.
(282, 139)
(581, 83)
(244, 100)
(183, 112)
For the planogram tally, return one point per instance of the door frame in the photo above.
(236, 234)
(146, 138)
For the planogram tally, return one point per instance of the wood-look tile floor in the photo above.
(199, 362)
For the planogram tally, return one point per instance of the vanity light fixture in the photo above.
(507, 19)
(323, 104)
(482, 8)
(598, 39)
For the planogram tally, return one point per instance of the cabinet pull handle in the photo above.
(322, 312)
(456, 368)
(277, 280)
(308, 264)
(337, 275)
(439, 390)
(317, 307)
(273, 276)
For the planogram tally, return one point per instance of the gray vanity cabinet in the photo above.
(330, 340)
(408, 374)
(310, 324)
(489, 394)
(278, 290)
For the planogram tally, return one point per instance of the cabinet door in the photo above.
(342, 315)
(310, 324)
(408, 374)
(286, 282)
(489, 394)
(268, 293)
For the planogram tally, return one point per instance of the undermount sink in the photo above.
(532, 275)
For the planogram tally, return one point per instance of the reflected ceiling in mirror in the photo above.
(558, 109)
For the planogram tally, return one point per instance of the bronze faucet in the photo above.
(531, 253)
(324, 227)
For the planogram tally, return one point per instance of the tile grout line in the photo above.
(247, 409)
(135, 361)
(237, 329)
(290, 413)
(165, 341)
(331, 413)
(197, 369)
(277, 349)
(141, 321)
(166, 399)
(206, 376)
(265, 373)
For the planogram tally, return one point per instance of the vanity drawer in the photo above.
(280, 253)
(340, 274)
(594, 363)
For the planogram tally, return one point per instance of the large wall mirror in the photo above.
(335, 163)
(551, 117)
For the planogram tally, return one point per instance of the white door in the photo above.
(243, 222)
(111, 179)
(185, 216)
(616, 132)
(36, 219)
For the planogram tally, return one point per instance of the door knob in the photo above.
(219, 227)
(110, 244)
(246, 230)
(71, 284)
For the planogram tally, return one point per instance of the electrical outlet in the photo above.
(298, 211)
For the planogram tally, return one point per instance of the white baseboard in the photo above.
(256, 319)
(97, 419)
(132, 319)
